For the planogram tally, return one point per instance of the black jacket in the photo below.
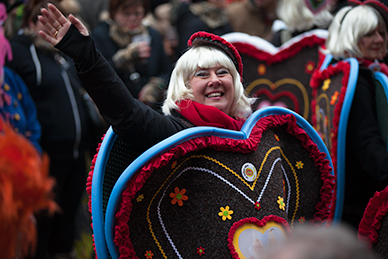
(157, 65)
(131, 120)
(366, 153)
(56, 91)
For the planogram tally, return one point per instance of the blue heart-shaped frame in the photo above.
(104, 228)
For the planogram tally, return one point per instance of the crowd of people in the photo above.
(68, 71)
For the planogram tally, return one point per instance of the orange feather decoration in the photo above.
(25, 188)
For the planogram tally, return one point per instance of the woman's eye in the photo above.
(200, 73)
(223, 71)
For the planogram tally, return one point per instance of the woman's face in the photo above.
(213, 87)
(374, 44)
(130, 18)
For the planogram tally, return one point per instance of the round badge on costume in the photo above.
(249, 172)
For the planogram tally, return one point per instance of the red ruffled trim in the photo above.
(259, 223)
(122, 234)
(315, 82)
(89, 188)
(292, 50)
(370, 223)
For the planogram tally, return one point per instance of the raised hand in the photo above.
(56, 24)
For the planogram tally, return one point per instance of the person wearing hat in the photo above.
(360, 31)
(205, 86)
(205, 89)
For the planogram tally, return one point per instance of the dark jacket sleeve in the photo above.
(131, 120)
(364, 140)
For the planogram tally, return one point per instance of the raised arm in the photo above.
(131, 119)
(56, 24)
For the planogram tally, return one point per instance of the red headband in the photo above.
(379, 6)
(208, 39)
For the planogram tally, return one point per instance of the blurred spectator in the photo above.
(301, 16)
(18, 108)
(12, 23)
(160, 20)
(16, 105)
(199, 15)
(66, 128)
(93, 11)
(360, 31)
(135, 51)
(254, 17)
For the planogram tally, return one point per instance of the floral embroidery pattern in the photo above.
(261, 69)
(334, 98)
(299, 164)
(257, 205)
(173, 165)
(149, 254)
(140, 198)
(200, 250)
(281, 203)
(225, 213)
(277, 137)
(302, 220)
(178, 196)
(310, 66)
(326, 84)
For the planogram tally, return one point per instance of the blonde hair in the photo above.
(298, 17)
(204, 57)
(347, 29)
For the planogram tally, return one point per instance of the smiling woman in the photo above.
(359, 31)
(205, 86)
(205, 90)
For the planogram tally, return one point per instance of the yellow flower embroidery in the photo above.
(225, 213)
(140, 198)
(326, 84)
(299, 164)
(282, 206)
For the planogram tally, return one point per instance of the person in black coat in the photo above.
(191, 17)
(135, 51)
(360, 31)
(62, 112)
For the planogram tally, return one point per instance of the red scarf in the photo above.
(375, 66)
(204, 115)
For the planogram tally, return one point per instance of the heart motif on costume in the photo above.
(189, 192)
(248, 238)
(268, 96)
(280, 73)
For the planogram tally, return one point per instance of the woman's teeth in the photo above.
(214, 95)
